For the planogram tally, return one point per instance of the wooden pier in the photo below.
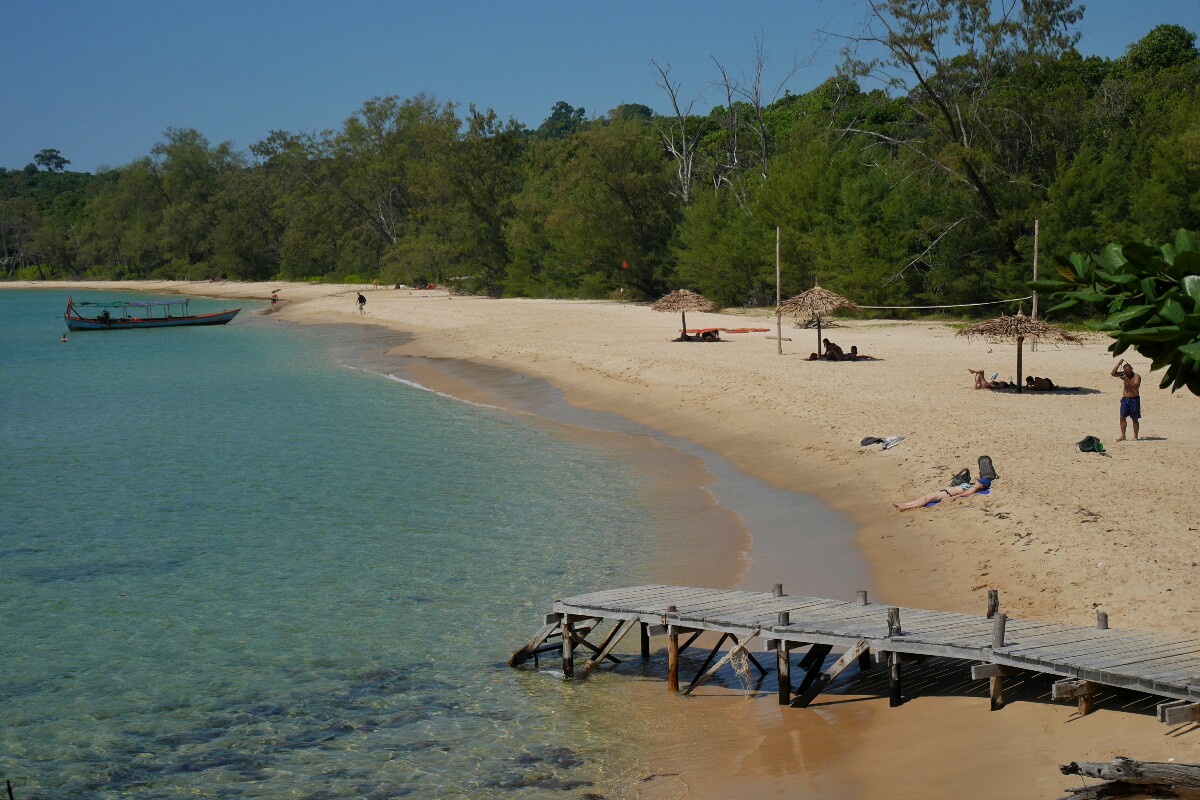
(1086, 659)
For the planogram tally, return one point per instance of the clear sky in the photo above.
(100, 80)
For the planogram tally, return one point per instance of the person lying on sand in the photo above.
(983, 383)
(980, 381)
(950, 493)
(1039, 384)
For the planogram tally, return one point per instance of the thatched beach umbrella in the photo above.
(815, 302)
(1020, 328)
(683, 301)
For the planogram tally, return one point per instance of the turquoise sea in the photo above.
(236, 563)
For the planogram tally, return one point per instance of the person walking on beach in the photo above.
(274, 300)
(362, 303)
(1131, 399)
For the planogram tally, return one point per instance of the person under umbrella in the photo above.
(683, 301)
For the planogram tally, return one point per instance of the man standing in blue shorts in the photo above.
(1131, 400)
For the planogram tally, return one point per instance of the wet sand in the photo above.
(1062, 534)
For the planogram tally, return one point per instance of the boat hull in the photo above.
(91, 324)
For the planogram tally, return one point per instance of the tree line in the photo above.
(913, 176)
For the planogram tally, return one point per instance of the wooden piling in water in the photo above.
(784, 660)
(672, 654)
(568, 647)
(895, 691)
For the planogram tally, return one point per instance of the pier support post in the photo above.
(784, 658)
(996, 684)
(895, 691)
(777, 590)
(672, 654)
(993, 602)
(568, 647)
(864, 661)
(645, 641)
(998, 623)
(1076, 689)
(1102, 620)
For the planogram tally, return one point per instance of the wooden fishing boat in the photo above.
(153, 314)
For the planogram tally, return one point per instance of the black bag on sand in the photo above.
(986, 470)
(870, 440)
(1090, 444)
(962, 477)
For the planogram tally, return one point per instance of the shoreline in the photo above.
(1053, 554)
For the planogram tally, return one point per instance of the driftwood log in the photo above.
(1126, 777)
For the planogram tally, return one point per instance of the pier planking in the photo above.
(1155, 663)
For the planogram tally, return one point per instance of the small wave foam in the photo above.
(425, 388)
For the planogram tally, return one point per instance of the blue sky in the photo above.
(100, 80)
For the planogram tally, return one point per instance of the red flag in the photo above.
(624, 265)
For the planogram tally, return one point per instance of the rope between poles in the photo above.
(959, 305)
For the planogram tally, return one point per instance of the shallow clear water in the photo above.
(231, 566)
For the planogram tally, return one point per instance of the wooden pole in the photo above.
(993, 603)
(645, 641)
(784, 659)
(1102, 620)
(996, 684)
(672, 655)
(895, 691)
(568, 648)
(777, 590)
(1035, 265)
(1035, 260)
(1020, 346)
(778, 296)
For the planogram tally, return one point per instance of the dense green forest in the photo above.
(913, 176)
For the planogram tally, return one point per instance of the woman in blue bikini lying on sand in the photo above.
(951, 493)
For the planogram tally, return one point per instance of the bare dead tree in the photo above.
(680, 137)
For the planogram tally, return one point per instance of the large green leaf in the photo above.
(1129, 314)
(1192, 351)
(1116, 277)
(1188, 262)
(1065, 305)
(1158, 333)
(1142, 256)
(1185, 241)
(1050, 285)
(1089, 296)
(1191, 286)
(1171, 311)
(1111, 258)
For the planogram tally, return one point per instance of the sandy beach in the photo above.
(1061, 535)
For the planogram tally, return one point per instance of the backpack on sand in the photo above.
(1090, 444)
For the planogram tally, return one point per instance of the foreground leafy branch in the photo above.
(1152, 296)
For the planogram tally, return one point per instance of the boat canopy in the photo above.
(146, 304)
